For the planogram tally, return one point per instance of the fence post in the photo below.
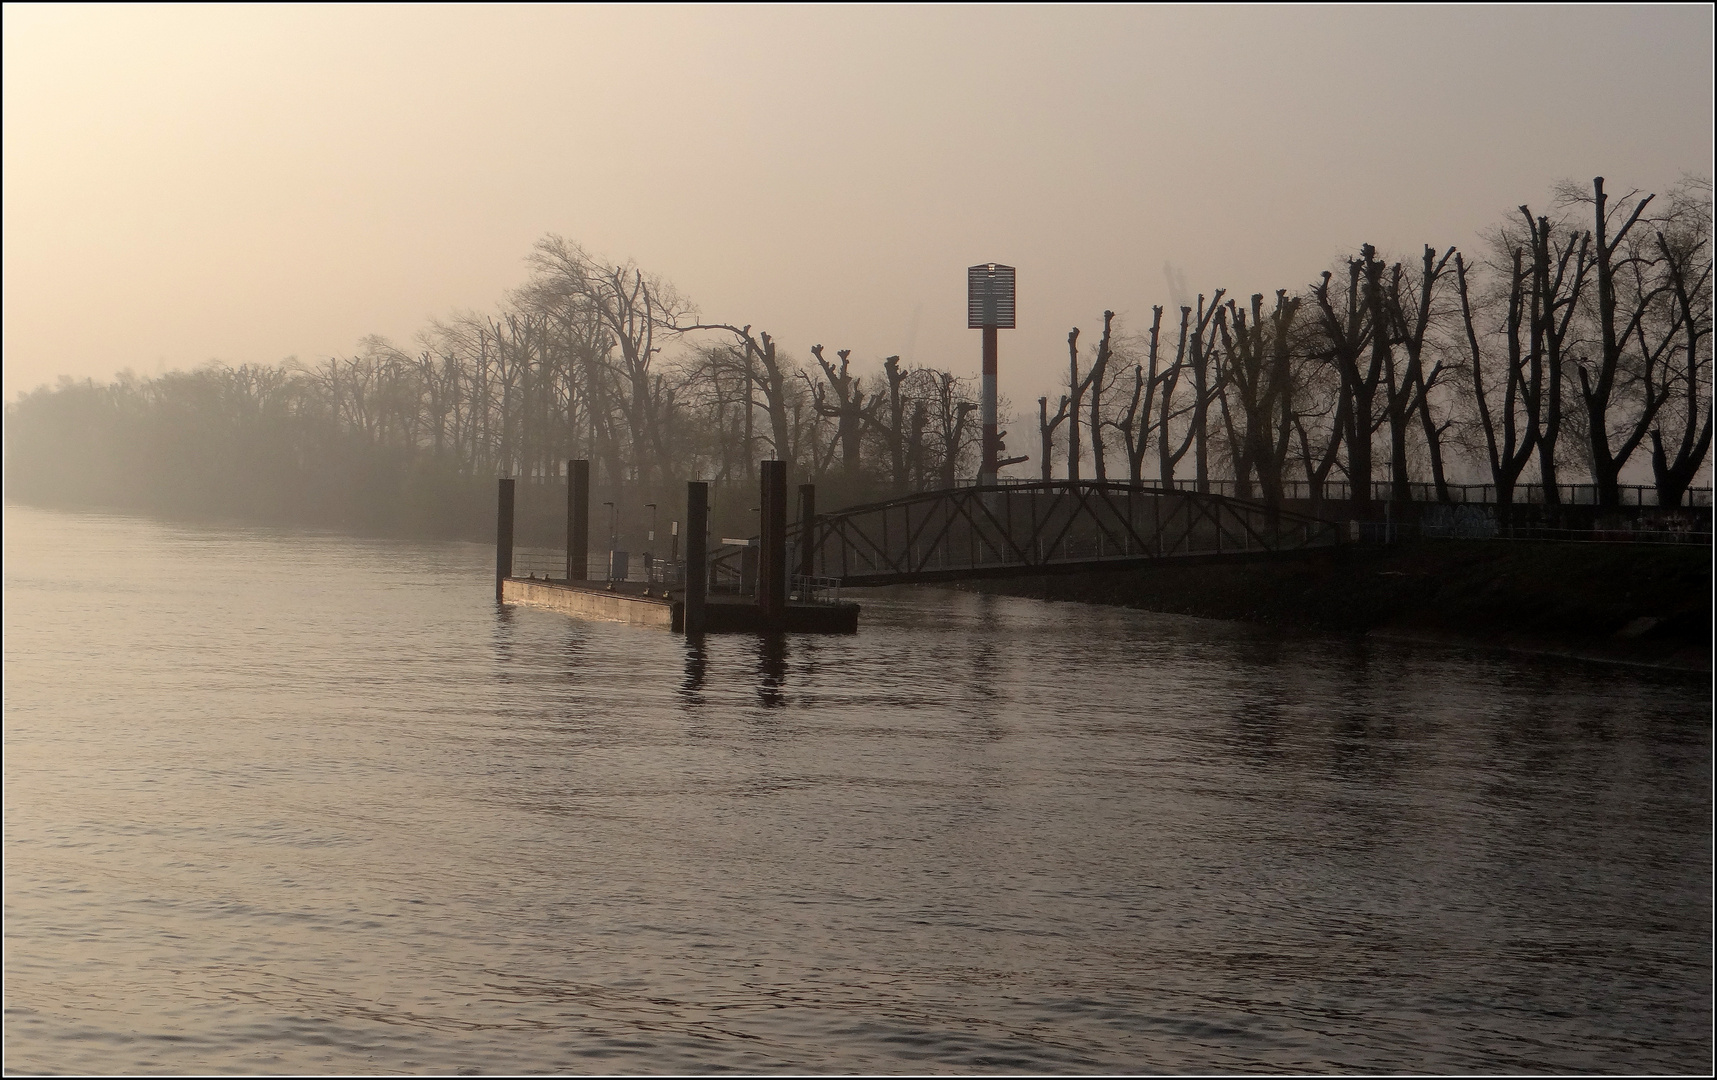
(503, 536)
(697, 555)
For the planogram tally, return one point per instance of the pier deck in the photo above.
(639, 604)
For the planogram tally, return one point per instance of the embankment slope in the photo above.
(1633, 603)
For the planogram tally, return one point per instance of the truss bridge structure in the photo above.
(1043, 527)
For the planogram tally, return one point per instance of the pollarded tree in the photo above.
(1100, 386)
(1348, 331)
(1511, 424)
(1259, 384)
(1207, 382)
(1135, 423)
(1076, 388)
(1684, 241)
(1637, 325)
(1557, 281)
(848, 410)
(1409, 382)
(1046, 426)
(887, 414)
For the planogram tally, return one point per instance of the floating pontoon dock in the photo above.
(683, 601)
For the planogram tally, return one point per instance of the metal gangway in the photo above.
(1045, 527)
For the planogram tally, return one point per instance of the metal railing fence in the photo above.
(551, 565)
(1525, 494)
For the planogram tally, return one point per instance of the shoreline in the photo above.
(1548, 650)
(1644, 606)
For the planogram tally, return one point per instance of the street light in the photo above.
(616, 560)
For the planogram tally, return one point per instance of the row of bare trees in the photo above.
(586, 360)
(578, 366)
(1576, 344)
(1575, 340)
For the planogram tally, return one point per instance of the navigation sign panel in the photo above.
(990, 296)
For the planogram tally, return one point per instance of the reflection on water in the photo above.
(284, 802)
(771, 670)
(697, 660)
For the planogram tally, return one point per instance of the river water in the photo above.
(282, 802)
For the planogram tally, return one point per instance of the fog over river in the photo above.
(282, 801)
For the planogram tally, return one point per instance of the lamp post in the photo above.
(616, 557)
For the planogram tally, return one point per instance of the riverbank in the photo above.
(1646, 604)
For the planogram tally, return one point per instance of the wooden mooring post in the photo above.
(807, 521)
(772, 544)
(697, 556)
(503, 536)
(577, 520)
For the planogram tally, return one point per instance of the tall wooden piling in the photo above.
(697, 554)
(807, 523)
(772, 545)
(577, 520)
(503, 536)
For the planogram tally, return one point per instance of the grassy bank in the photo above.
(1637, 603)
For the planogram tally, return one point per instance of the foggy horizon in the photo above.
(1149, 564)
(247, 185)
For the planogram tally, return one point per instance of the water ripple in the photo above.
(284, 802)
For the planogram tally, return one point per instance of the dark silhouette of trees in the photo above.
(1622, 388)
(1480, 365)
(1684, 242)
(849, 410)
(1258, 410)
(1409, 390)
(1510, 426)
(1135, 424)
(1046, 425)
(1076, 387)
(1096, 377)
(1167, 458)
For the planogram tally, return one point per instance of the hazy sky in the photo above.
(192, 183)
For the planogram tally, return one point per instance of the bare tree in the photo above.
(1685, 245)
(1259, 376)
(1349, 332)
(892, 402)
(633, 307)
(952, 408)
(1511, 428)
(1618, 383)
(1076, 388)
(1410, 395)
(1206, 384)
(1168, 458)
(1136, 423)
(849, 410)
(1099, 369)
(1046, 426)
(1557, 282)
